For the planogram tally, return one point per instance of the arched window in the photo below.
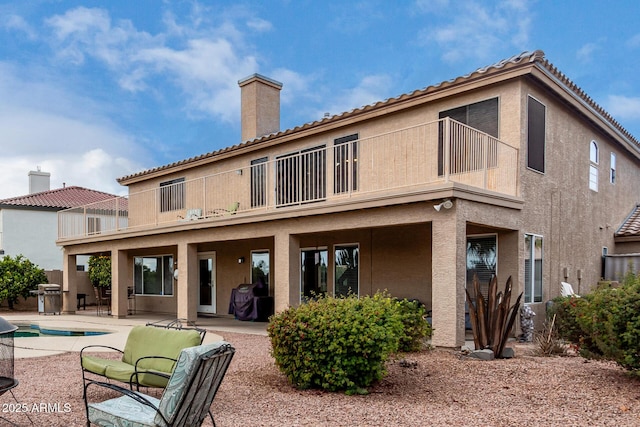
(593, 152)
(593, 166)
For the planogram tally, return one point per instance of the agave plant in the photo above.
(492, 320)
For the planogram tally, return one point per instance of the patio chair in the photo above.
(102, 301)
(231, 209)
(185, 402)
(566, 290)
(180, 324)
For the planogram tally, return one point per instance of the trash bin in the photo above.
(49, 298)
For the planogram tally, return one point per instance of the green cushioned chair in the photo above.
(185, 402)
(148, 358)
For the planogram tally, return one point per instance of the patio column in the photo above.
(186, 285)
(448, 279)
(286, 270)
(121, 279)
(69, 283)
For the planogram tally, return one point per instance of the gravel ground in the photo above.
(440, 388)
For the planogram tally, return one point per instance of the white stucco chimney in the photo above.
(260, 103)
(39, 181)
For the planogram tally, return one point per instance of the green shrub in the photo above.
(605, 323)
(18, 277)
(616, 324)
(574, 323)
(415, 326)
(336, 343)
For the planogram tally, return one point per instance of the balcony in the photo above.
(392, 164)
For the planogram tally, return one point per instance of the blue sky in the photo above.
(91, 91)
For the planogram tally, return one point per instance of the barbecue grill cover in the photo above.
(243, 302)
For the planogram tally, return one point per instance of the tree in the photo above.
(100, 270)
(19, 276)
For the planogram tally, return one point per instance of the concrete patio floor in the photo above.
(118, 329)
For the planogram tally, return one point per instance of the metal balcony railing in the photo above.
(393, 163)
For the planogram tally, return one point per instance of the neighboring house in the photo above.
(29, 224)
(511, 169)
(627, 256)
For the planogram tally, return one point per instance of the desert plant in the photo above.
(18, 277)
(492, 321)
(336, 343)
(548, 342)
(100, 270)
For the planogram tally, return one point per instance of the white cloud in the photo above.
(204, 67)
(370, 89)
(259, 25)
(70, 138)
(477, 31)
(624, 107)
(586, 52)
(13, 22)
(634, 42)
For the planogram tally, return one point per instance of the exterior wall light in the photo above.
(447, 204)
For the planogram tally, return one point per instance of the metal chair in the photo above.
(102, 301)
(185, 402)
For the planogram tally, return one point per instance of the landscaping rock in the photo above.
(485, 354)
(508, 353)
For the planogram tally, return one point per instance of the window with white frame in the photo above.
(301, 177)
(345, 169)
(260, 268)
(612, 171)
(532, 268)
(593, 166)
(259, 182)
(346, 270)
(153, 275)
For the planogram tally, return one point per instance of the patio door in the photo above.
(207, 282)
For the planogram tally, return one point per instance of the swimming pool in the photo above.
(34, 330)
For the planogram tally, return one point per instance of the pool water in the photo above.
(37, 331)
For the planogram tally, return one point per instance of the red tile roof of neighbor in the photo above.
(62, 198)
(631, 226)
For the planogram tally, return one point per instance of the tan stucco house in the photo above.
(511, 169)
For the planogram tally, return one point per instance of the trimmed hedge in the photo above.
(341, 343)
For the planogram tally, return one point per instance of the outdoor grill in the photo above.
(7, 381)
(49, 298)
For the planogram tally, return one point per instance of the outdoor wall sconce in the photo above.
(241, 260)
(447, 204)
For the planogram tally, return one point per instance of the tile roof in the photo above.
(62, 198)
(631, 226)
(524, 58)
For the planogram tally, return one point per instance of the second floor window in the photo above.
(301, 177)
(172, 195)
(593, 166)
(345, 170)
(536, 112)
(259, 182)
(467, 153)
(612, 172)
